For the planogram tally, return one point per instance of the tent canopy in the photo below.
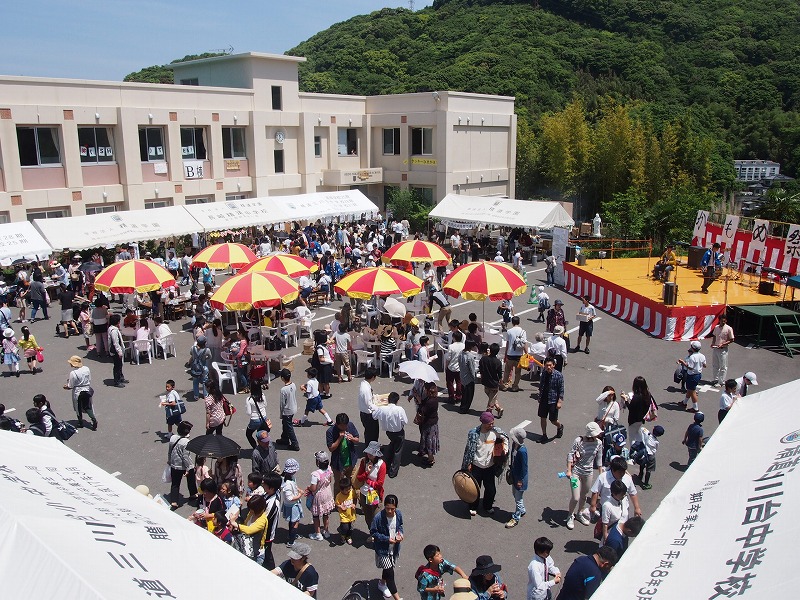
(322, 205)
(471, 210)
(71, 530)
(122, 227)
(232, 214)
(21, 240)
(728, 526)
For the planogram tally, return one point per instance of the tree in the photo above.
(408, 204)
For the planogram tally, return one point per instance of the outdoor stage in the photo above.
(625, 289)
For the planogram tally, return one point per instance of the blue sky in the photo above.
(92, 39)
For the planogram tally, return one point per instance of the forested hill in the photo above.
(726, 70)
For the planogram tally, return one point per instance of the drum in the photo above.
(465, 486)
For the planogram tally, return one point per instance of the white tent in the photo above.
(321, 205)
(104, 229)
(467, 211)
(728, 528)
(21, 240)
(232, 214)
(71, 530)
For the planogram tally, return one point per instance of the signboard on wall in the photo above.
(232, 165)
(353, 176)
(193, 169)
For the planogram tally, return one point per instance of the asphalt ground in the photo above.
(131, 441)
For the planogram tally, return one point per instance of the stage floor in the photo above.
(633, 275)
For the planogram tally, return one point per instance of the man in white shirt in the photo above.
(343, 347)
(265, 247)
(516, 346)
(542, 571)
(695, 362)
(455, 244)
(392, 419)
(557, 347)
(366, 404)
(306, 286)
(585, 327)
(723, 337)
(452, 368)
(601, 489)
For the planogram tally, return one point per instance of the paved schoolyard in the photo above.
(130, 441)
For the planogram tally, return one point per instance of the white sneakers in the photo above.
(384, 590)
(571, 522)
(582, 520)
(316, 536)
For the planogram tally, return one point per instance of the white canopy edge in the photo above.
(22, 240)
(501, 211)
(739, 496)
(322, 205)
(71, 530)
(121, 227)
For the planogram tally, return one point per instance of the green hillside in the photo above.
(684, 85)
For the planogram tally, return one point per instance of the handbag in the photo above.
(228, 408)
(244, 544)
(418, 418)
(65, 430)
(679, 375)
(166, 476)
(39, 355)
(524, 361)
(652, 412)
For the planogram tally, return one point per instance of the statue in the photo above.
(596, 222)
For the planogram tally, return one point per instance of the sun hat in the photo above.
(291, 466)
(593, 429)
(373, 449)
(558, 330)
(518, 435)
(484, 564)
(462, 590)
(321, 456)
(75, 361)
(695, 345)
(751, 377)
(298, 551)
(558, 301)
(8, 332)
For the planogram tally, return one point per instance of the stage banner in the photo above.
(560, 241)
(729, 235)
(791, 248)
(759, 242)
(700, 226)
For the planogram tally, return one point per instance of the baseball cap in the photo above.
(299, 551)
(321, 456)
(262, 436)
(699, 417)
(619, 439)
(695, 345)
(658, 431)
(751, 377)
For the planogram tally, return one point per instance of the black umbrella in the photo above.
(22, 261)
(213, 446)
(90, 267)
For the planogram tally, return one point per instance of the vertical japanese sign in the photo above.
(791, 248)
(700, 226)
(759, 242)
(729, 234)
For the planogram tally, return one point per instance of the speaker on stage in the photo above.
(570, 254)
(767, 288)
(695, 257)
(671, 293)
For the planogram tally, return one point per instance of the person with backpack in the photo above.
(200, 357)
(639, 405)
(550, 268)
(544, 304)
(322, 361)
(173, 405)
(516, 346)
(180, 463)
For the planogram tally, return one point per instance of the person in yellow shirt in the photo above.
(254, 526)
(665, 264)
(346, 504)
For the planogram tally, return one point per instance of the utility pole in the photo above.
(411, 5)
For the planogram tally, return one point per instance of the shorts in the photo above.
(692, 381)
(650, 464)
(585, 328)
(66, 315)
(314, 404)
(548, 411)
(174, 419)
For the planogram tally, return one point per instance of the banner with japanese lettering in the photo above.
(728, 528)
(21, 241)
(700, 226)
(792, 247)
(760, 232)
(71, 530)
(729, 235)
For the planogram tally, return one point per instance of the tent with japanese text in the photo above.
(460, 211)
(729, 527)
(71, 530)
(21, 241)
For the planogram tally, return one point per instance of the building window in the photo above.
(190, 81)
(277, 97)
(233, 142)
(421, 140)
(5, 218)
(279, 167)
(391, 141)
(193, 145)
(157, 204)
(47, 214)
(235, 196)
(151, 144)
(348, 142)
(200, 200)
(318, 146)
(38, 146)
(96, 144)
(424, 194)
(101, 208)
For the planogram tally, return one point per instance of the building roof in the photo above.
(240, 56)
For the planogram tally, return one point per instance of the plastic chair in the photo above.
(139, 347)
(363, 357)
(394, 359)
(167, 345)
(225, 373)
(254, 334)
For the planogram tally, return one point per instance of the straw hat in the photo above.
(8, 332)
(75, 361)
(465, 486)
(462, 590)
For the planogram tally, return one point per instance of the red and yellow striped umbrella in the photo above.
(481, 280)
(224, 255)
(254, 290)
(417, 251)
(378, 281)
(129, 276)
(285, 264)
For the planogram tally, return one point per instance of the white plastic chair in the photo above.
(139, 347)
(167, 344)
(363, 357)
(307, 325)
(225, 373)
(394, 359)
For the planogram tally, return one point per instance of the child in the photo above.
(253, 486)
(288, 406)
(173, 406)
(616, 508)
(201, 471)
(693, 439)
(542, 572)
(346, 505)
(292, 509)
(230, 496)
(221, 529)
(321, 491)
(650, 443)
(519, 473)
(313, 398)
(10, 351)
(272, 488)
(728, 397)
(430, 581)
(617, 448)
(85, 320)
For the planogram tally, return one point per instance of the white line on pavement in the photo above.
(116, 474)
(8, 410)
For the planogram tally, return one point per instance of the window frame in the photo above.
(317, 146)
(277, 97)
(109, 134)
(395, 141)
(144, 154)
(196, 148)
(35, 129)
(157, 204)
(47, 214)
(418, 135)
(229, 143)
(349, 132)
(100, 209)
(420, 191)
(277, 155)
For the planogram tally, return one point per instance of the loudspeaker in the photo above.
(695, 257)
(766, 288)
(671, 293)
(571, 252)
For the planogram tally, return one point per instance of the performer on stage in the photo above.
(665, 264)
(712, 260)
